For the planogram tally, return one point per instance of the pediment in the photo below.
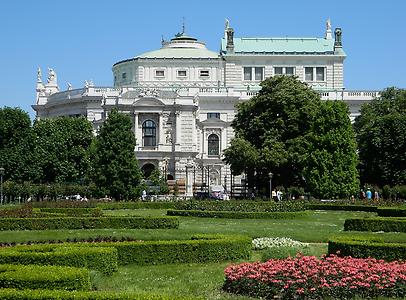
(149, 101)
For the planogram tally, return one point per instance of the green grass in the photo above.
(201, 279)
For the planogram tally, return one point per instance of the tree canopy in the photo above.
(284, 129)
(381, 135)
(115, 168)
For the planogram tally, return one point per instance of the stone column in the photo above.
(136, 129)
(189, 178)
(178, 127)
(161, 129)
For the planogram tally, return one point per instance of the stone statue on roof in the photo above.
(39, 75)
(51, 76)
(328, 24)
(227, 24)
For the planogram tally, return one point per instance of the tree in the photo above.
(17, 142)
(61, 148)
(286, 129)
(114, 165)
(331, 168)
(381, 136)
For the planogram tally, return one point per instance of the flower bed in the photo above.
(307, 277)
(266, 242)
(238, 215)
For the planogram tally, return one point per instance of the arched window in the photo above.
(213, 144)
(149, 133)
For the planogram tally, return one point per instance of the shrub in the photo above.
(366, 247)
(24, 211)
(199, 249)
(136, 205)
(44, 277)
(237, 215)
(74, 212)
(306, 277)
(241, 206)
(376, 224)
(88, 223)
(98, 258)
(392, 211)
(338, 206)
(12, 294)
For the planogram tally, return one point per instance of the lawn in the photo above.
(199, 279)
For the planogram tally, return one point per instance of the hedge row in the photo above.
(241, 206)
(103, 259)
(12, 294)
(345, 246)
(44, 277)
(237, 215)
(206, 248)
(135, 205)
(338, 206)
(88, 223)
(376, 224)
(392, 211)
(73, 212)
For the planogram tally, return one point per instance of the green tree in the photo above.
(158, 180)
(115, 168)
(331, 168)
(286, 129)
(381, 135)
(17, 142)
(61, 148)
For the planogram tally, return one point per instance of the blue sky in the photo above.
(81, 40)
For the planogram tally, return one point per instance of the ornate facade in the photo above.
(181, 97)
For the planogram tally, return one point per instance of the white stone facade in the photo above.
(181, 98)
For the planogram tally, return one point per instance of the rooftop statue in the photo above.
(51, 76)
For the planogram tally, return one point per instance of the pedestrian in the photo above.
(376, 196)
(144, 195)
(369, 194)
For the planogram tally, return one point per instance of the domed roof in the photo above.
(181, 46)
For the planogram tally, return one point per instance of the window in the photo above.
(213, 144)
(315, 73)
(124, 75)
(308, 74)
(159, 73)
(204, 73)
(278, 70)
(284, 71)
(213, 115)
(247, 73)
(149, 133)
(320, 74)
(254, 73)
(181, 73)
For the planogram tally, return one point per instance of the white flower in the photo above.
(266, 242)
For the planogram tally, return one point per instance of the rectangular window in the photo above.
(204, 73)
(248, 73)
(159, 73)
(308, 74)
(320, 74)
(278, 71)
(290, 71)
(124, 75)
(181, 73)
(259, 73)
(213, 115)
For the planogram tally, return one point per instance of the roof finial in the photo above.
(329, 33)
(183, 26)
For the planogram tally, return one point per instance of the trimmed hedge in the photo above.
(392, 211)
(103, 259)
(202, 248)
(135, 205)
(345, 207)
(345, 246)
(12, 294)
(44, 277)
(241, 206)
(376, 224)
(73, 212)
(237, 215)
(88, 223)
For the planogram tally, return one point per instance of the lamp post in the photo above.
(1, 184)
(270, 185)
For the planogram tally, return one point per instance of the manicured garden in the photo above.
(188, 260)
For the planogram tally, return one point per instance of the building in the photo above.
(181, 97)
